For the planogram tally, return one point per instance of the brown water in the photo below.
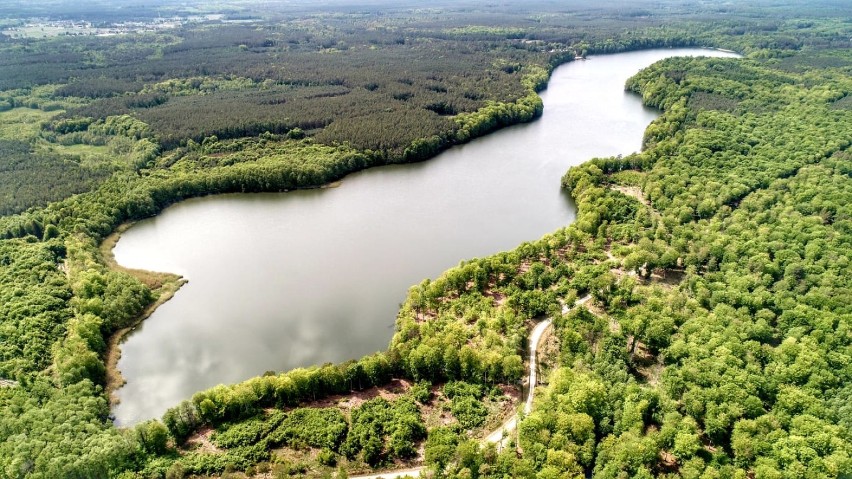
(283, 280)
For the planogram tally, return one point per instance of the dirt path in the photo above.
(636, 192)
(633, 191)
(413, 472)
(502, 434)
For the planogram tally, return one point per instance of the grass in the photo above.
(627, 177)
(23, 123)
(90, 156)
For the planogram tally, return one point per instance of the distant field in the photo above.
(23, 123)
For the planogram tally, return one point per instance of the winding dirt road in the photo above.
(502, 434)
(413, 472)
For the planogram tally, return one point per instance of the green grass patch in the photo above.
(23, 124)
(627, 178)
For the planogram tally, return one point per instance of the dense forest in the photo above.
(718, 338)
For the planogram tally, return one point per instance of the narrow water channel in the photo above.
(284, 280)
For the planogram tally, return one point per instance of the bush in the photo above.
(469, 411)
(327, 457)
(421, 392)
(309, 427)
(248, 432)
(460, 388)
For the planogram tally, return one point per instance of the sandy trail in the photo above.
(502, 434)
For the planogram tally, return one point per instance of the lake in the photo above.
(283, 280)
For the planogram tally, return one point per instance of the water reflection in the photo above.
(285, 280)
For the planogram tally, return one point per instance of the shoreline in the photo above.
(171, 283)
(163, 285)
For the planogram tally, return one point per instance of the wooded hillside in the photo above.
(717, 342)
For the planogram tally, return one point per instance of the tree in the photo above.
(152, 437)
(513, 368)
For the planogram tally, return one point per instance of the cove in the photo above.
(284, 280)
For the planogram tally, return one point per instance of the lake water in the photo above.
(284, 280)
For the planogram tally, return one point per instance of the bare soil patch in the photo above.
(200, 441)
(390, 391)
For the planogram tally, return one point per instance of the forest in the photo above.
(718, 339)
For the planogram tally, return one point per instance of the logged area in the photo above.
(713, 335)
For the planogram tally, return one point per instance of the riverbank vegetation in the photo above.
(717, 343)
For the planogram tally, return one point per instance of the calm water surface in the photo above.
(283, 280)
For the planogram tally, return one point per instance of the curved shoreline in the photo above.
(115, 380)
(169, 285)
